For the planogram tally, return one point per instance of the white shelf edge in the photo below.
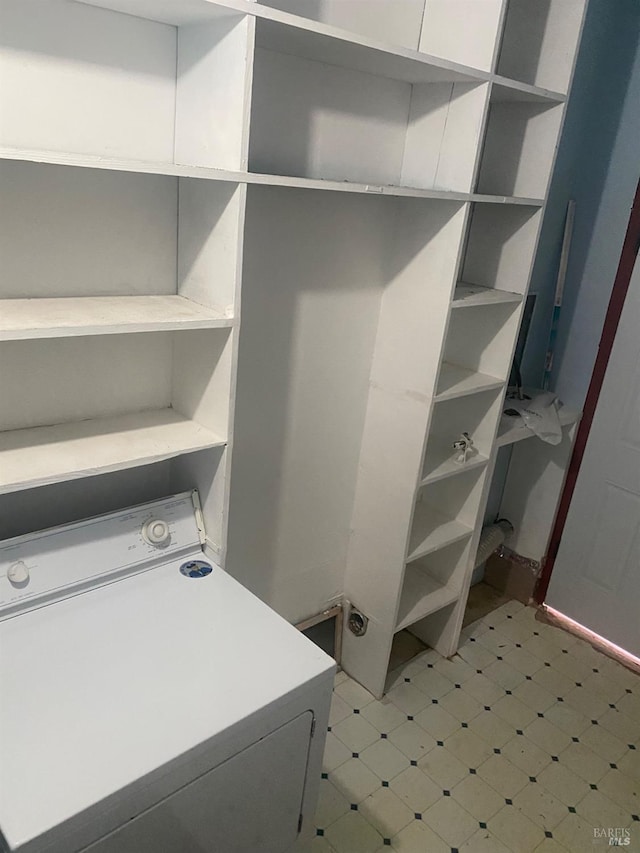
(145, 167)
(512, 434)
(432, 522)
(466, 382)
(449, 468)
(330, 185)
(95, 161)
(439, 597)
(69, 316)
(525, 91)
(484, 198)
(39, 456)
(478, 296)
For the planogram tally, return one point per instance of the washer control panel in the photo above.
(40, 567)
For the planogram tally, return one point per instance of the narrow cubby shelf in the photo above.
(519, 144)
(473, 295)
(500, 246)
(433, 530)
(51, 454)
(22, 319)
(441, 466)
(421, 595)
(445, 512)
(474, 415)
(456, 381)
(432, 582)
(539, 42)
(480, 340)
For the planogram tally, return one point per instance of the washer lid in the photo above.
(106, 687)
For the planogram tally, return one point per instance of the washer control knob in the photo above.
(18, 573)
(156, 532)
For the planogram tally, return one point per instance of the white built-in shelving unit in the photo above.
(371, 177)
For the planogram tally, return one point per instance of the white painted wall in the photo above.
(61, 60)
(312, 287)
(61, 503)
(87, 232)
(320, 121)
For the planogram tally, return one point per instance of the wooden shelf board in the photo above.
(511, 429)
(459, 381)
(432, 530)
(442, 466)
(51, 454)
(22, 319)
(471, 295)
(422, 595)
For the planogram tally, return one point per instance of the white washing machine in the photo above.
(148, 702)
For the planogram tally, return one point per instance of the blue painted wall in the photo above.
(598, 165)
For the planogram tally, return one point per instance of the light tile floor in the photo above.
(527, 740)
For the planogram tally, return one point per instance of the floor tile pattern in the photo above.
(527, 740)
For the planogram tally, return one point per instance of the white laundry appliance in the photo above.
(148, 702)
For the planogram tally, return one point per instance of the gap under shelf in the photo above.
(422, 595)
(50, 454)
(69, 316)
(471, 295)
(457, 381)
(432, 530)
